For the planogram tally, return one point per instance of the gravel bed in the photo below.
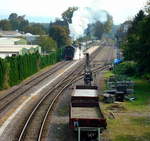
(58, 127)
(10, 132)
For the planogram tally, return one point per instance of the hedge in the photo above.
(16, 68)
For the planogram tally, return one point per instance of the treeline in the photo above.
(16, 68)
(98, 28)
(56, 32)
(136, 42)
(16, 22)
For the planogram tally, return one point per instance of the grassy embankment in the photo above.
(131, 121)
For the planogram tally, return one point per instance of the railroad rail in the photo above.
(58, 90)
(9, 98)
(34, 125)
(45, 106)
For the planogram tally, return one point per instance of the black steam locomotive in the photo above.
(69, 52)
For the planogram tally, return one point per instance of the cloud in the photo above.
(119, 9)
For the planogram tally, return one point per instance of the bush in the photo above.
(126, 68)
(15, 69)
(146, 76)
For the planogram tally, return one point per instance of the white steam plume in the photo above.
(84, 16)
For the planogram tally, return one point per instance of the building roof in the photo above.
(10, 33)
(8, 41)
(15, 48)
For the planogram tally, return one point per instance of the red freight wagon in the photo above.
(85, 112)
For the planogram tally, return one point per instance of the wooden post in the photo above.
(78, 133)
(98, 134)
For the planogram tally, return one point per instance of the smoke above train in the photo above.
(84, 16)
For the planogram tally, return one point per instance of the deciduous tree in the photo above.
(60, 35)
(47, 43)
(68, 14)
(5, 25)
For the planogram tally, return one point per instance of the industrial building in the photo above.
(9, 50)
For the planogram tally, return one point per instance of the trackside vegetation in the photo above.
(130, 120)
(135, 43)
(17, 68)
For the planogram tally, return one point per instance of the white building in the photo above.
(8, 41)
(9, 50)
(10, 34)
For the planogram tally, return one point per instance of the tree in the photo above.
(5, 25)
(35, 29)
(68, 14)
(139, 17)
(108, 24)
(61, 23)
(122, 32)
(18, 22)
(60, 35)
(147, 7)
(22, 23)
(132, 42)
(98, 29)
(47, 44)
(136, 46)
(13, 16)
(89, 31)
(95, 30)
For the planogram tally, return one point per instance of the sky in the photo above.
(121, 10)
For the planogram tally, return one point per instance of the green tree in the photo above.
(108, 24)
(98, 29)
(60, 35)
(22, 23)
(61, 23)
(5, 25)
(35, 29)
(132, 42)
(18, 22)
(47, 43)
(13, 16)
(136, 46)
(135, 23)
(68, 14)
(147, 7)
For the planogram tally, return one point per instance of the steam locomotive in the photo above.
(69, 52)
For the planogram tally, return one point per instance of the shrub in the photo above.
(126, 68)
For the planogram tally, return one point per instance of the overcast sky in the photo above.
(121, 10)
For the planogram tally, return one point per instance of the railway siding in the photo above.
(30, 97)
(6, 130)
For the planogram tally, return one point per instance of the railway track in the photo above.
(97, 69)
(38, 118)
(12, 96)
(34, 125)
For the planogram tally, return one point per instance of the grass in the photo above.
(142, 93)
(132, 119)
(107, 74)
(129, 128)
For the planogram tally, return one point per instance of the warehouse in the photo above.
(13, 50)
